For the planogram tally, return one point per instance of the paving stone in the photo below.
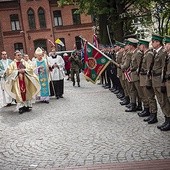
(86, 127)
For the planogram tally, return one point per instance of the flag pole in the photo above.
(111, 60)
(108, 32)
(50, 75)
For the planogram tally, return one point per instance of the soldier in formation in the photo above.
(144, 74)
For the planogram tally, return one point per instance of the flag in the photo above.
(95, 41)
(51, 42)
(95, 62)
(127, 74)
(58, 41)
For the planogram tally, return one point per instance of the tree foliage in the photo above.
(118, 15)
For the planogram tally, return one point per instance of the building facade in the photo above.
(28, 24)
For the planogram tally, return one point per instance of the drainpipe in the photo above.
(23, 30)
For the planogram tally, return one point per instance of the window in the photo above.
(57, 18)
(14, 22)
(78, 43)
(19, 46)
(76, 17)
(41, 16)
(31, 19)
(40, 43)
(61, 48)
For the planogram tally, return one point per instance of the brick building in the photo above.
(27, 24)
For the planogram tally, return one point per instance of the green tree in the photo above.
(118, 15)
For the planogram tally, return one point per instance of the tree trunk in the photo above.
(103, 29)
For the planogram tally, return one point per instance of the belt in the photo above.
(133, 69)
(167, 77)
(156, 74)
(143, 73)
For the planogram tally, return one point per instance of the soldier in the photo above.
(119, 49)
(135, 89)
(156, 72)
(124, 66)
(4, 62)
(75, 67)
(149, 101)
(166, 77)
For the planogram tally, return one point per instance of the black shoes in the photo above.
(24, 109)
(144, 113)
(45, 101)
(126, 101)
(8, 105)
(152, 118)
(166, 125)
(61, 96)
(78, 83)
(132, 108)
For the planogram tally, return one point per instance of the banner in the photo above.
(51, 42)
(95, 62)
(58, 41)
(95, 41)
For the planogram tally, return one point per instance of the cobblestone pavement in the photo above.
(86, 127)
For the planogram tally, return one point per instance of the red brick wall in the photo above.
(68, 31)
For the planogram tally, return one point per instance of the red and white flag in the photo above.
(95, 41)
(127, 75)
(51, 42)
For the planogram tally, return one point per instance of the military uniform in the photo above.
(135, 87)
(167, 77)
(166, 94)
(156, 72)
(124, 67)
(75, 68)
(149, 101)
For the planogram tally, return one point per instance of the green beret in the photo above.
(132, 41)
(167, 39)
(157, 37)
(144, 42)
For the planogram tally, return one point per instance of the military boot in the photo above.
(167, 126)
(153, 118)
(132, 108)
(139, 107)
(144, 113)
(162, 125)
(73, 83)
(125, 101)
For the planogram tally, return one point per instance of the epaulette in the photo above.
(139, 51)
(163, 50)
(150, 52)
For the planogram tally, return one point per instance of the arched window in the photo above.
(31, 18)
(41, 16)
